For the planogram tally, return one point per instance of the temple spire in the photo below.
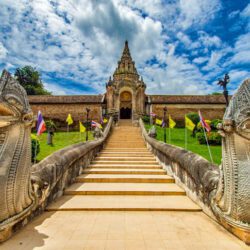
(126, 65)
(126, 52)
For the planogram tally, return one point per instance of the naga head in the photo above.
(14, 105)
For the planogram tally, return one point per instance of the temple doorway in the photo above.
(125, 105)
(125, 113)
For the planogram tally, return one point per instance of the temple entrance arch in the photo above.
(125, 105)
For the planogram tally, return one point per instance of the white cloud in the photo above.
(197, 12)
(3, 51)
(209, 41)
(246, 11)
(200, 60)
(242, 50)
(82, 40)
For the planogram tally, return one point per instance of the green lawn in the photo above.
(178, 139)
(60, 140)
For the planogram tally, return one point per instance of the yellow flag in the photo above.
(189, 124)
(105, 120)
(81, 128)
(69, 119)
(172, 123)
(158, 122)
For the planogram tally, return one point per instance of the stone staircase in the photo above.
(124, 201)
(125, 176)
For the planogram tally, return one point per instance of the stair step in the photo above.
(124, 158)
(131, 153)
(124, 189)
(123, 203)
(125, 178)
(120, 162)
(119, 152)
(126, 150)
(125, 155)
(124, 171)
(101, 166)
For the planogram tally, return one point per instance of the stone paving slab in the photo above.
(123, 231)
(123, 203)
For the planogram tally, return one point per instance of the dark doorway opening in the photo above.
(125, 113)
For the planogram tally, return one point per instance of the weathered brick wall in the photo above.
(59, 112)
(178, 111)
(57, 108)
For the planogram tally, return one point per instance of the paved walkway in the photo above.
(124, 200)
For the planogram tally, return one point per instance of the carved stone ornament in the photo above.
(16, 118)
(232, 202)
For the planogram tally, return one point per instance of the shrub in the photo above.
(194, 117)
(214, 138)
(35, 147)
(201, 138)
(146, 118)
(50, 125)
(214, 123)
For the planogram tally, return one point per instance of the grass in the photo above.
(60, 140)
(178, 139)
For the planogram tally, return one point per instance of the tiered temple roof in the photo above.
(126, 66)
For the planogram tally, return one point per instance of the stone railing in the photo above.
(222, 191)
(195, 174)
(53, 174)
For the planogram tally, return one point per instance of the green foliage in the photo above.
(50, 125)
(61, 140)
(214, 124)
(146, 118)
(216, 93)
(29, 78)
(178, 139)
(35, 147)
(214, 138)
(194, 117)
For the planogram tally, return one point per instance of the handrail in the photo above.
(198, 176)
(58, 170)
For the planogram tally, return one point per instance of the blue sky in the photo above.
(179, 47)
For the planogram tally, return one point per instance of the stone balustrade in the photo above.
(53, 174)
(195, 174)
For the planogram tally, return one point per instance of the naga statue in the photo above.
(16, 118)
(232, 202)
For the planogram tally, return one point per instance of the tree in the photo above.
(29, 78)
(216, 93)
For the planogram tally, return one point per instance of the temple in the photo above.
(126, 92)
(125, 95)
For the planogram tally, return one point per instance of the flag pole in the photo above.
(169, 135)
(185, 138)
(210, 154)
